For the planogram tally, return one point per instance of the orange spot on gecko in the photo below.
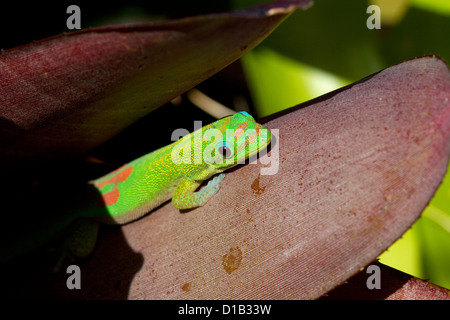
(232, 260)
(110, 197)
(256, 187)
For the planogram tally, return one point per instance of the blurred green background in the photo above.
(329, 46)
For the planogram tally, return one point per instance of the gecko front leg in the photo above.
(185, 196)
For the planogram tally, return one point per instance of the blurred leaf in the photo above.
(421, 32)
(435, 238)
(438, 6)
(404, 254)
(391, 11)
(269, 72)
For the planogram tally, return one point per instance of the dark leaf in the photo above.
(67, 94)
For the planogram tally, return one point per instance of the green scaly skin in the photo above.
(140, 186)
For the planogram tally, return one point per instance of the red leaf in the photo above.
(67, 94)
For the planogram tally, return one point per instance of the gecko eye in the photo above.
(224, 149)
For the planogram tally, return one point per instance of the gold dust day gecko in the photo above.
(174, 172)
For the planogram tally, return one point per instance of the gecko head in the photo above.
(236, 138)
